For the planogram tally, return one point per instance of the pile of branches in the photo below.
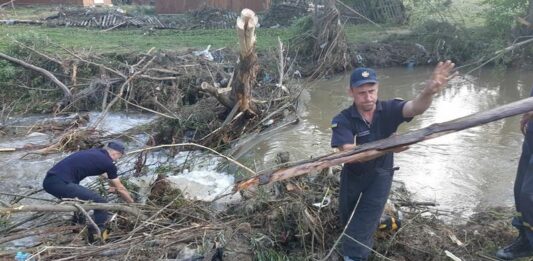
(291, 220)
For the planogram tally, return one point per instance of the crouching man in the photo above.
(63, 181)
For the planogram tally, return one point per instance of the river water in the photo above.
(461, 172)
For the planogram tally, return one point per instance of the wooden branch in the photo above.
(71, 208)
(149, 77)
(369, 151)
(67, 95)
(39, 53)
(6, 3)
(213, 91)
(524, 22)
(93, 63)
(281, 63)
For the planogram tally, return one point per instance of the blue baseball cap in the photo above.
(361, 76)
(116, 145)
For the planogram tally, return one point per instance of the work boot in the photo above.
(520, 247)
(93, 237)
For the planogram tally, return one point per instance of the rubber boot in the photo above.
(520, 247)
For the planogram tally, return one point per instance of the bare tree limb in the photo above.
(67, 95)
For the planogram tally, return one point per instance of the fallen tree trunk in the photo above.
(378, 148)
(68, 208)
(67, 95)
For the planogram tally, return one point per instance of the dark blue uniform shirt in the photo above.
(92, 162)
(349, 127)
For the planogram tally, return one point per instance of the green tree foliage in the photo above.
(501, 15)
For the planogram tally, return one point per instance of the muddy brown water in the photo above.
(461, 172)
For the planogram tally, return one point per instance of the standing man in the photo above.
(63, 180)
(522, 246)
(368, 184)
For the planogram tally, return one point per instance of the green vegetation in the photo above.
(140, 40)
(502, 16)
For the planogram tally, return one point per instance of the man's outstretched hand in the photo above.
(440, 77)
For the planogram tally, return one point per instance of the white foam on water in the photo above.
(202, 185)
(118, 122)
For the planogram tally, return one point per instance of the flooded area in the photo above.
(461, 172)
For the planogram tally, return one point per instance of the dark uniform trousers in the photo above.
(62, 189)
(374, 188)
(523, 189)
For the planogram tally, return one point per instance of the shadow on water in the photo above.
(462, 171)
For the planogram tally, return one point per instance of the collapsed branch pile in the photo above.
(290, 220)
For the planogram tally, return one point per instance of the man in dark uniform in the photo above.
(63, 179)
(522, 246)
(368, 184)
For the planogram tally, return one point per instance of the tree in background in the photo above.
(502, 15)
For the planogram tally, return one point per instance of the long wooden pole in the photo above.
(378, 148)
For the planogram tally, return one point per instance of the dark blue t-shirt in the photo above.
(349, 127)
(82, 164)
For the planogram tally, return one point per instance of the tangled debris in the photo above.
(290, 220)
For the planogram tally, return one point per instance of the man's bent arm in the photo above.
(121, 190)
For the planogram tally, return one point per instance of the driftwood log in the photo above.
(378, 148)
(71, 208)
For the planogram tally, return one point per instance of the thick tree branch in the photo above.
(378, 148)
